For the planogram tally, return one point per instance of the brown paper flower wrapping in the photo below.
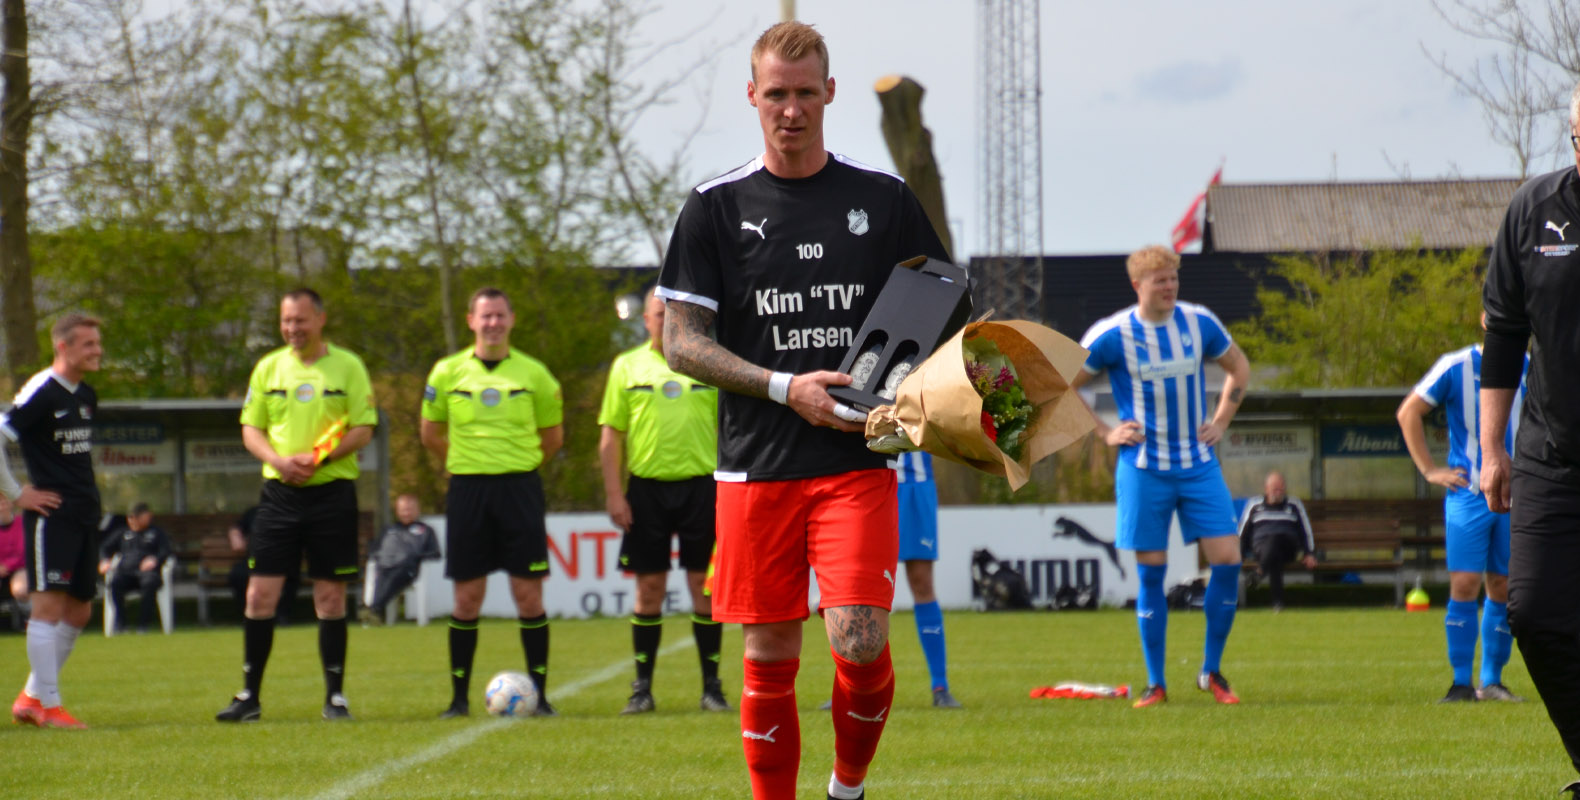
(940, 412)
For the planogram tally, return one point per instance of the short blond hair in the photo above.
(65, 328)
(1150, 258)
(791, 41)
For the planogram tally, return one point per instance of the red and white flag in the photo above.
(1191, 226)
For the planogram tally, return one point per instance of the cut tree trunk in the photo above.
(911, 147)
(16, 264)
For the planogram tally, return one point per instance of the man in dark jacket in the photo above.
(143, 549)
(1533, 284)
(399, 552)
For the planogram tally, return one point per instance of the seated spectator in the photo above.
(1275, 527)
(13, 556)
(143, 549)
(240, 571)
(399, 552)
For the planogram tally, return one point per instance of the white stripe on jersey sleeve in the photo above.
(1443, 364)
(729, 477)
(733, 175)
(687, 297)
(851, 162)
(1104, 325)
(32, 387)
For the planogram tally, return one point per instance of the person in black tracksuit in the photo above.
(1275, 528)
(143, 548)
(1532, 291)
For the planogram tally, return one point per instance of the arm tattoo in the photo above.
(857, 633)
(689, 350)
(1236, 394)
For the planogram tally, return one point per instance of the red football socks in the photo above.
(862, 695)
(770, 729)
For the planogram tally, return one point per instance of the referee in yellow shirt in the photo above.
(298, 397)
(667, 424)
(493, 414)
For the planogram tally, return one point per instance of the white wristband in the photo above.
(779, 387)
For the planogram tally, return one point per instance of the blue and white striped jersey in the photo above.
(1156, 375)
(1454, 383)
(913, 467)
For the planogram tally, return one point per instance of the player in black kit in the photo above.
(52, 420)
(1532, 290)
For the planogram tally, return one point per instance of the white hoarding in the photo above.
(1050, 545)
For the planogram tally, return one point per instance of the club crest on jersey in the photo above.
(87, 413)
(304, 393)
(490, 397)
(672, 389)
(858, 221)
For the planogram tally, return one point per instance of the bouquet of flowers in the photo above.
(995, 397)
(1006, 412)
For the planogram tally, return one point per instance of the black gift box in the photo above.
(924, 302)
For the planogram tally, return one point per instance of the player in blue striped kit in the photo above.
(1153, 353)
(918, 501)
(1477, 539)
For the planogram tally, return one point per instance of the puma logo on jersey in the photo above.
(859, 718)
(889, 578)
(1554, 228)
(758, 228)
(761, 737)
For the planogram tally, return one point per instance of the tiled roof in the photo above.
(1326, 217)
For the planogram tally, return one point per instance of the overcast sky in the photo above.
(1141, 99)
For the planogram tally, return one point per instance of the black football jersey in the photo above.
(1532, 290)
(791, 267)
(52, 421)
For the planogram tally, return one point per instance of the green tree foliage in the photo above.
(1378, 319)
(207, 160)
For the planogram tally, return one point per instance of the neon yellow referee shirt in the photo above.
(493, 415)
(294, 403)
(670, 420)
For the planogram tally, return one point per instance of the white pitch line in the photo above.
(369, 778)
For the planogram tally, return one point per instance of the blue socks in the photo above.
(1460, 626)
(1152, 617)
(930, 630)
(1496, 641)
(1222, 600)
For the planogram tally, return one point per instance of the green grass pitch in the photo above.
(1336, 704)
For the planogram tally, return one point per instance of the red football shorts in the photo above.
(844, 527)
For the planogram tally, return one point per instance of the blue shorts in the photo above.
(918, 521)
(1477, 538)
(1147, 500)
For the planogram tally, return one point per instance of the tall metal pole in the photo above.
(1009, 158)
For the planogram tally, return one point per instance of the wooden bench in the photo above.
(1353, 545)
(200, 543)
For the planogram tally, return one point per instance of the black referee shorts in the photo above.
(62, 555)
(495, 522)
(661, 510)
(320, 521)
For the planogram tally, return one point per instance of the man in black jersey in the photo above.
(786, 255)
(52, 420)
(1532, 291)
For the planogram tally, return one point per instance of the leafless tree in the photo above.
(1523, 91)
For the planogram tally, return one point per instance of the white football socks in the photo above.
(44, 657)
(842, 792)
(64, 639)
